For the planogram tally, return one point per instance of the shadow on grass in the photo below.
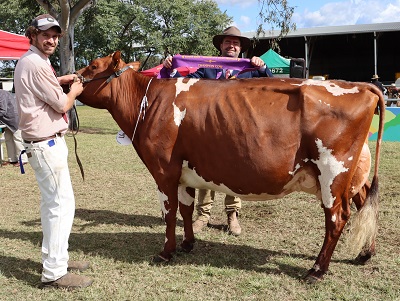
(138, 247)
(25, 270)
(101, 217)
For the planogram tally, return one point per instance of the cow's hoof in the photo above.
(161, 259)
(186, 247)
(313, 277)
(362, 259)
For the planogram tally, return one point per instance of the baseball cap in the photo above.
(46, 21)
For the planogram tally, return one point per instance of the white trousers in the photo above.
(57, 207)
(14, 145)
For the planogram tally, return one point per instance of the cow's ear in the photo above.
(116, 59)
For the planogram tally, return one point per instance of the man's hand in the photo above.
(168, 62)
(67, 79)
(256, 61)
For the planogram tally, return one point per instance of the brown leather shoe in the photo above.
(78, 265)
(198, 225)
(233, 224)
(69, 281)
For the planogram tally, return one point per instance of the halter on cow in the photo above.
(258, 139)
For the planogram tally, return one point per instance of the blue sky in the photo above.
(313, 13)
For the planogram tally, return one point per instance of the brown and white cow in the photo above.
(258, 139)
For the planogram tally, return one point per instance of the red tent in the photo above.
(156, 70)
(12, 45)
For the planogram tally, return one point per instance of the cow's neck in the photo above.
(129, 102)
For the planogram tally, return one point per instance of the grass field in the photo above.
(118, 228)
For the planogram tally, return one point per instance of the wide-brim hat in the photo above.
(375, 76)
(232, 31)
(46, 21)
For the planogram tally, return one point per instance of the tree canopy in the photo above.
(95, 28)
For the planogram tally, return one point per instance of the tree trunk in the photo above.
(67, 55)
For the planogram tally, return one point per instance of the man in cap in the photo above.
(230, 43)
(42, 105)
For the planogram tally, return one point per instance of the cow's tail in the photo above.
(364, 225)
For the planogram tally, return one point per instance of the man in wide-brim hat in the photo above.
(233, 32)
(376, 82)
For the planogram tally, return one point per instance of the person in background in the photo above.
(42, 105)
(376, 82)
(230, 43)
(13, 139)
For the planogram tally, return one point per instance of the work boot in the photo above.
(69, 281)
(233, 223)
(78, 266)
(198, 225)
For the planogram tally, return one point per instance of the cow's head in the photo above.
(97, 79)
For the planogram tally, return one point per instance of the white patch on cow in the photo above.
(184, 87)
(163, 198)
(295, 169)
(329, 168)
(334, 218)
(329, 86)
(301, 181)
(316, 267)
(184, 197)
(350, 158)
(178, 114)
(306, 160)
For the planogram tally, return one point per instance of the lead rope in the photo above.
(143, 106)
(76, 143)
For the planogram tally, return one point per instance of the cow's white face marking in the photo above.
(350, 158)
(181, 86)
(329, 86)
(178, 115)
(329, 168)
(184, 197)
(334, 218)
(163, 198)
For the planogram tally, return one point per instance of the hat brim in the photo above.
(244, 42)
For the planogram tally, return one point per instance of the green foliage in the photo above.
(277, 14)
(149, 27)
(136, 28)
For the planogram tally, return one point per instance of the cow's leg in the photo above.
(335, 220)
(186, 197)
(360, 197)
(169, 208)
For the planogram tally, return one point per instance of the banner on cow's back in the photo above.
(123, 139)
(213, 62)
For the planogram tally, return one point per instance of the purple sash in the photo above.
(244, 65)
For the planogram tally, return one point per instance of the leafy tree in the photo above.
(149, 27)
(278, 14)
(95, 28)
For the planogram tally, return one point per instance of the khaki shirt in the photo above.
(39, 96)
